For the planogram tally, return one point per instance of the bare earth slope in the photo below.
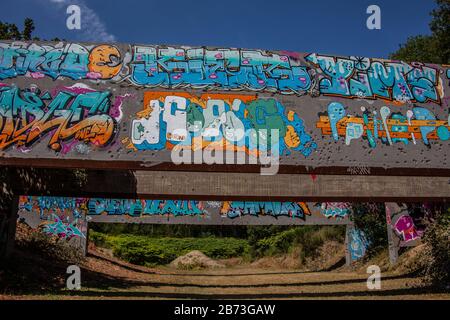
(105, 277)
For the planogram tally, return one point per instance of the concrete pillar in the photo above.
(392, 243)
(348, 256)
(86, 242)
(8, 222)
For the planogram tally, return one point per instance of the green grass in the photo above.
(151, 251)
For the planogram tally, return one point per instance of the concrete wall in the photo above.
(132, 103)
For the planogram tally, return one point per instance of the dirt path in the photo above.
(104, 277)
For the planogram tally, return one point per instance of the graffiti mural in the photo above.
(150, 105)
(223, 68)
(54, 205)
(64, 218)
(201, 68)
(233, 209)
(337, 210)
(228, 122)
(56, 226)
(418, 124)
(61, 213)
(360, 77)
(405, 228)
(64, 114)
(409, 222)
(357, 244)
(137, 208)
(69, 60)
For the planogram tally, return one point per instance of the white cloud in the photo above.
(92, 27)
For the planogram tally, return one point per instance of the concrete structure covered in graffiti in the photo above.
(134, 103)
(60, 217)
(56, 209)
(67, 218)
(143, 108)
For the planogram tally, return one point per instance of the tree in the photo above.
(437, 241)
(440, 26)
(10, 31)
(434, 48)
(28, 29)
(418, 48)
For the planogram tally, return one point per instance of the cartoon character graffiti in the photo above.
(404, 226)
(63, 230)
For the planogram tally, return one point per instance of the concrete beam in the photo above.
(228, 186)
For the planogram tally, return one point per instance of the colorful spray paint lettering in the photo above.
(204, 105)
(337, 210)
(69, 60)
(233, 209)
(222, 68)
(137, 208)
(66, 114)
(40, 209)
(360, 77)
(64, 230)
(418, 124)
(62, 217)
(227, 122)
(54, 205)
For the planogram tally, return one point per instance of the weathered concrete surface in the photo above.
(337, 187)
(126, 86)
(227, 186)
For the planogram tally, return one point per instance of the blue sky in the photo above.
(324, 26)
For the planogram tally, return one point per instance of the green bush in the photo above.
(98, 238)
(145, 250)
(262, 241)
(50, 247)
(308, 238)
(370, 218)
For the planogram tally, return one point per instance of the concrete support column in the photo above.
(348, 256)
(86, 241)
(393, 246)
(8, 222)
